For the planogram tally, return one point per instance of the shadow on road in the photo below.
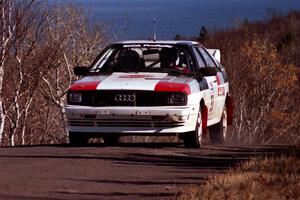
(125, 171)
(136, 144)
(217, 157)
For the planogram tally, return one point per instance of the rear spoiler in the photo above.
(216, 53)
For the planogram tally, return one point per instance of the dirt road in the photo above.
(128, 171)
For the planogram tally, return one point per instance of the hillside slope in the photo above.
(263, 62)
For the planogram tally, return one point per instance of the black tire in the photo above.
(77, 139)
(218, 132)
(193, 139)
(111, 140)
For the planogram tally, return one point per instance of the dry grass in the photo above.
(259, 178)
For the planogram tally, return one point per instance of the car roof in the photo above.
(170, 42)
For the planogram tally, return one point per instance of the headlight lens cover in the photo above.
(74, 97)
(177, 99)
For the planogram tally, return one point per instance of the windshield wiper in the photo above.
(176, 72)
(172, 71)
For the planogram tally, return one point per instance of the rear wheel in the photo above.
(111, 140)
(218, 131)
(193, 139)
(77, 139)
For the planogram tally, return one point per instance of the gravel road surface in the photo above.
(127, 171)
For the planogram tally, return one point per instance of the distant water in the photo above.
(133, 19)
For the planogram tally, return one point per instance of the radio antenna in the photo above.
(154, 27)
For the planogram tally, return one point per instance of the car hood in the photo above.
(134, 81)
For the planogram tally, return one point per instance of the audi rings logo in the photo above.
(125, 97)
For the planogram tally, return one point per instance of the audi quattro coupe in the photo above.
(155, 88)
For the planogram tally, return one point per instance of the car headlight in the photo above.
(75, 97)
(177, 99)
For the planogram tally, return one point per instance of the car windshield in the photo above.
(144, 58)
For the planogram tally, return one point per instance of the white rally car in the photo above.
(155, 88)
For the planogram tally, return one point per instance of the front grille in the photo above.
(119, 123)
(107, 98)
(81, 123)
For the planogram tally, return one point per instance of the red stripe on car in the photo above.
(172, 87)
(84, 86)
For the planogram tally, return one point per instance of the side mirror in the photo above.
(208, 71)
(198, 76)
(81, 70)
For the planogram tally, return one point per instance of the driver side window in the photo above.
(207, 58)
(201, 63)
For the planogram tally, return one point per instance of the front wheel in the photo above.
(77, 139)
(193, 139)
(218, 132)
(111, 140)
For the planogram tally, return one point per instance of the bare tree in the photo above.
(79, 43)
(22, 51)
(262, 87)
(7, 27)
(39, 47)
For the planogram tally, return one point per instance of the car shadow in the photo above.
(187, 166)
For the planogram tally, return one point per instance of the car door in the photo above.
(219, 84)
(210, 82)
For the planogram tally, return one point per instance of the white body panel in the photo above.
(141, 120)
(146, 120)
(125, 81)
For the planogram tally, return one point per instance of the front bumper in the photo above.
(131, 120)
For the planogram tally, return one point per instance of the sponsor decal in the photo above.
(220, 78)
(212, 102)
(158, 45)
(221, 91)
(84, 86)
(132, 46)
(211, 87)
(136, 76)
(172, 87)
(147, 45)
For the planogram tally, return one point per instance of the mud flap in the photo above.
(204, 117)
(229, 109)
